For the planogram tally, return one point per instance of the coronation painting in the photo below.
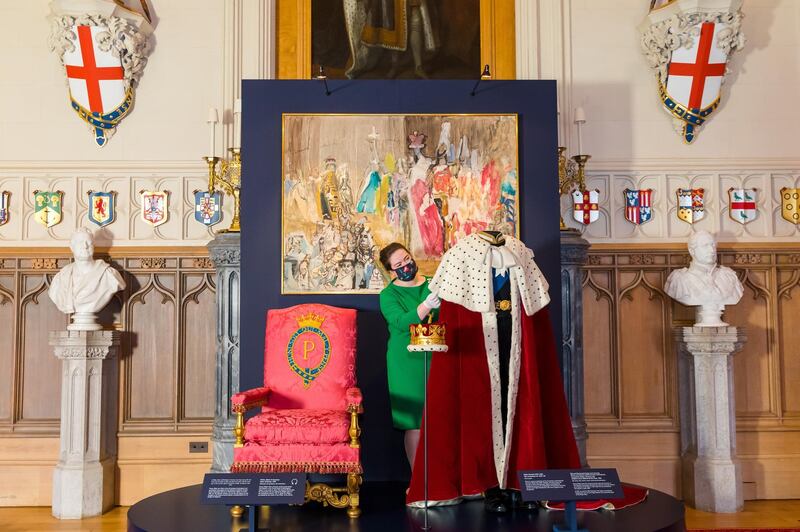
(355, 183)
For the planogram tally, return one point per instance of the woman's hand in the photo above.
(432, 301)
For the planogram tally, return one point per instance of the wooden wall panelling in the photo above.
(644, 344)
(149, 384)
(600, 366)
(197, 362)
(753, 366)
(167, 359)
(788, 303)
(623, 293)
(8, 319)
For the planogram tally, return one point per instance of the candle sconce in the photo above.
(572, 171)
(229, 179)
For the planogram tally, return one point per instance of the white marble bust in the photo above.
(705, 284)
(85, 286)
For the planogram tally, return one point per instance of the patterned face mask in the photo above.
(407, 271)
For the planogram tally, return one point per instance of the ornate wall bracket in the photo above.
(687, 44)
(86, 35)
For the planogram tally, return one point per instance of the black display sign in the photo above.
(570, 485)
(254, 488)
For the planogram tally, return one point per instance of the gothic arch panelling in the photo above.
(168, 291)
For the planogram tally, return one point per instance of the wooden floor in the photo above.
(762, 514)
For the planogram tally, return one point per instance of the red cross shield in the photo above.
(96, 78)
(103, 46)
(688, 44)
(585, 206)
(695, 73)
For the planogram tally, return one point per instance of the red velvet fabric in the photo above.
(354, 396)
(307, 350)
(309, 381)
(298, 426)
(460, 457)
(253, 395)
(309, 458)
(631, 495)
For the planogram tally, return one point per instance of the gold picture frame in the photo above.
(353, 183)
(497, 39)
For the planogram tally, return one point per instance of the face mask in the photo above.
(407, 272)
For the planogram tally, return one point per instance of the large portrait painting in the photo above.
(396, 38)
(355, 183)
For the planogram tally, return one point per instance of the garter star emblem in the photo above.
(47, 207)
(308, 344)
(790, 204)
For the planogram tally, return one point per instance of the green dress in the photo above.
(406, 371)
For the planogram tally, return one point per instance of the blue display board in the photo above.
(264, 102)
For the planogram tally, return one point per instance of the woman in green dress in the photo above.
(407, 300)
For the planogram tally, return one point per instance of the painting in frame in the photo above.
(388, 39)
(355, 183)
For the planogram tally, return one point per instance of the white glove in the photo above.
(432, 301)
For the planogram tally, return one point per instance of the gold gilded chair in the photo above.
(309, 403)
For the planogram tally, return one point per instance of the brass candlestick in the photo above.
(229, 180)
(567, 176)
(581, 161)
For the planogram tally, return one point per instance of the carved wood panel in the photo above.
(631, 381)
(167, 357)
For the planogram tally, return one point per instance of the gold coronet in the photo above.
(427, 334)
(310, 320)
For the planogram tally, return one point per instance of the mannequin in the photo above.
(496, 401)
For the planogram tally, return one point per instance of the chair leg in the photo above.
(353, 487)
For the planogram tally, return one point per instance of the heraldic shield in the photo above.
(790, 204)
(5, 210)
(742, 204)
(207, 207)
(101, 207)
(47, 207)
(155, 206)
(638, 205)
(691, 207)
(688, 43)
(585, 206)
(103, 46)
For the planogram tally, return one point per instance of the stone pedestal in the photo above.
(83, 481)
(574, 253)
(711, 474)
(225, 253)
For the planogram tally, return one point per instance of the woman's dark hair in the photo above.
(387, 252)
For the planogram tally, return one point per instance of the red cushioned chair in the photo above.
(309, 403)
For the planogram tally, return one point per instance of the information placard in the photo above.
(254, 488)
(570, 485)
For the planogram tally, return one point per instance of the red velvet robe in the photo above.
(460, 455)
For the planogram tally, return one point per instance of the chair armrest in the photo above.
(246, 400)
(354, 399)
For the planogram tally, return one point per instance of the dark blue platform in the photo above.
(384, 511)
